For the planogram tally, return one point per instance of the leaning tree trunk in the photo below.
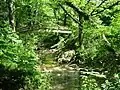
(80, 30)
(79, 21)
(11, 13)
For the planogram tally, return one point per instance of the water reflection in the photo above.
(65, 80)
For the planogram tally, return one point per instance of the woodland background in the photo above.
(88, 30)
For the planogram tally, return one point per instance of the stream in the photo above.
(65, 80)
(68, 77)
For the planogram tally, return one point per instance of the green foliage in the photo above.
(18, 63)
(3, 11)
(98, 21)
(89, 84)
(100, 45)
(112, 84)
(13, 51)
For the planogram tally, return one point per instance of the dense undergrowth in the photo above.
(18, 63)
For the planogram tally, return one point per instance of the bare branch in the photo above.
(104, 37)
(87, 2)
(69, 15)
(98, 6)
(74, 7)
(78, 10)
(10, 7)
(101, 3)
(110, 7)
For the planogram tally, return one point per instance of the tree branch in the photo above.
(98, 6)
(79, 11)
(69, 14)
(87, 2)
(65, 18)
(110, 7)
(74, 7)
(101, 3)
(11, 13)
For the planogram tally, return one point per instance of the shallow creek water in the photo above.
(64, 77)
(65, 80)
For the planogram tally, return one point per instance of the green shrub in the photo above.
(113, 83)
(89, 84)
(17, 63)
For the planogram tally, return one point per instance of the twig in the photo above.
(69, 15)
(98, 6)
(87, 2)
(111, 6)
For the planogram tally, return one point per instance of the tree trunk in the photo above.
(11, 13)
(80, 30)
